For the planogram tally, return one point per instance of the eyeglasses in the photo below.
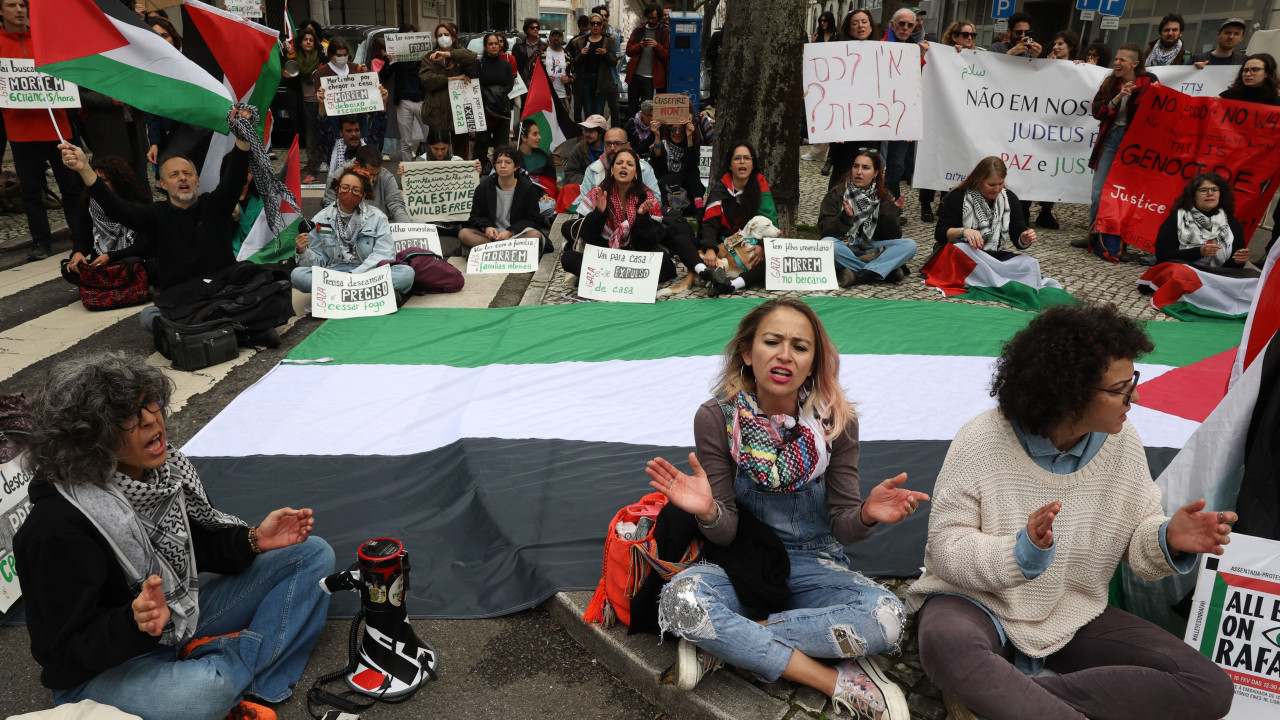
(152, 406)
(967, 35)
(905, 23)
(1250, 70)
(868, 151)
(615, 143)
(741, 158)
(1128, 394)
(595, 22)
(1213, 190)
(350, 190)
(534, 27)
(1020, 33)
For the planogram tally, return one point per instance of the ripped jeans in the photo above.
(834, 612)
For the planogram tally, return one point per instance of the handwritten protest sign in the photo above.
(1175, 137)
(244, 8)
(517, 255)
(1034, 114)
(352, 93)
(467, 106)
(519, 88)
(619, 275)
(22, 87)
(408, 47)
(336, 294)
(704, 164)
(1235, 622)
(671, 108)
(439, 191)
(14, 507)
(799, 265)
(419, 235)
(861, 90)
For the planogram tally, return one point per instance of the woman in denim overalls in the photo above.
(780, 440)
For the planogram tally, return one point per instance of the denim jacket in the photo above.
(373, 239)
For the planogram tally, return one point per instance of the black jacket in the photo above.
(525, 213)
(78, 600)
(646, 234)
(951, 213)
(1167, 243)
(496, 81)
(834, 222)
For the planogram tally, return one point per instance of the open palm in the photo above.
(691, 493)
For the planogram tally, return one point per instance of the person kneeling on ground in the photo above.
(1203, 229)
(861, 220)
(505, 204)
(740, 194)
(119, 527)
(1037, 502)
(109, 237)
(350, 236)
(386, 192)
(981, 211)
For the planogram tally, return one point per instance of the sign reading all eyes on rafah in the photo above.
(439, 191)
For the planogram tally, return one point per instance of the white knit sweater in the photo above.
(988, 487)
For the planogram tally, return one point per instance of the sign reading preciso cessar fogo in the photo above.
(22, 87)
(516, 255)
(799, 265)
(620, 275)
(336, 294)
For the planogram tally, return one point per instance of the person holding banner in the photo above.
(862, 222)
(1203, 229)
(406, 94)
(984, 213)
(339, 65)
(1039, 499)
(445, 62)
(740, 194)
(857, 25)
(505, 204)
(350, 236)
(960, 35)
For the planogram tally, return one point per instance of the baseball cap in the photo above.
(1233, 21)
(595, 121)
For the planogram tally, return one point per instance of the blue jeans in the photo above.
(401, 277)
(899, 155)
(834, 612)
(592, 101)
(278, 608)
(896, 254)
(147, 318)
(1110, 147)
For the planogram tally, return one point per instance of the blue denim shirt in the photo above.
(373, 240)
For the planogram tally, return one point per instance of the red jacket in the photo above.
(1104, 111)
(661, 54)
(28, 125)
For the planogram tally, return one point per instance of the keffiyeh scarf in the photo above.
(108, 235)
(865, 205)
(346, 228)
(148, 525)
(1160, 56)
(1195, 229)
(675, 156)
(990, 220)
(621, 216)
(780, 452)
(643, 131)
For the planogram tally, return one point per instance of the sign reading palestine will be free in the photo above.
(439, 191)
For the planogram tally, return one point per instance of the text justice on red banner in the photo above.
(1175, 137)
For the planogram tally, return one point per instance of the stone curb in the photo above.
(57, 234)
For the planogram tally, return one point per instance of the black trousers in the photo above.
(29, 159)
(641, 89)
(677, 239)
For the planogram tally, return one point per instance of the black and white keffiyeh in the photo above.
(990, 220)
(1196, 229)
(148, 525)
(108, 235)
(865, 205)
(270, 188)
(675, 155)
(1160, 56)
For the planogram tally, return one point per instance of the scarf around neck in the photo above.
(1159, 56)
(643, 131)
(147, 523)
(108, 235)
(781, 453)
(1195, 229)
(621, 217)
(866, 216)
(990, 220)
(675, 155)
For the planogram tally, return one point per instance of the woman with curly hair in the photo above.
(119, 527)
(1037, 502)
(108, 236)
(1203, 229)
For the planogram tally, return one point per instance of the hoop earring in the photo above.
(742, 374)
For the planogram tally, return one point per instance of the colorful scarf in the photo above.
(642, 129)
(780, 452)
(1196, 229)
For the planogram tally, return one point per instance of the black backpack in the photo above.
(257, 297)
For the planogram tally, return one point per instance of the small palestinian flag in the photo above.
(263, 246)
(540, 104)
(289, 29)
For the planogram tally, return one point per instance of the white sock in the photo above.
(699, 267)
(738, 283)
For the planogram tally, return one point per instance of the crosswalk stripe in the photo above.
(52, 333)
(23, 277)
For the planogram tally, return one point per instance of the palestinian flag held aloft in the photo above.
(1264, 315)
(262, 245)
(1188, 292)
(960, 270)
(108, 49)
(498, 443)
(553, 122)
(289, 29)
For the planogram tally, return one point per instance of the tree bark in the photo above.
(887, 9)
(760, 99)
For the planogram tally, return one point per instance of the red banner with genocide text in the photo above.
(1175, 137)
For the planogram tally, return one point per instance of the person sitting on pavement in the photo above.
(350, 140)
(862, 222)
(1203, 229)
(351, 236)
(187, 235)
(119, 526)
(674, 157)
(1038, 501)
(386, 192)
(641, 131)
(538, 165)
(800, 479)
(108, 236)
(505, 204)
(615, 139)
(1230, 33)
(740, 194)
(586, 152)
(440, 150)
(983, 212)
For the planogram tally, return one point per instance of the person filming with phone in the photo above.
(1020, 39)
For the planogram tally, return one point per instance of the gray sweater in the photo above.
(386, 197)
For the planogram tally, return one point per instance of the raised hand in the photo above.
(150, 611)
(1194, 530)
(285, 527)
(889, 502)
(691, 493)
(1040, 525)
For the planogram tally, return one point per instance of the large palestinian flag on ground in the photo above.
(959, 270)
(498, 443)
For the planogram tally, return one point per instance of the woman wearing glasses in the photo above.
(1256, 82)
(1203, 230)
(740, 194)
(593, 62)
(1037, 502)
(120, 526)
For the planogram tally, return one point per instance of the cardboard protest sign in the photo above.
(22, 87)
(419, 235)
(467, 106)
(519, 88)
(439, 191)
(244, 8)
(351, 93)
(862, 90)
(619, 275)
(1235, 622)
(704, 164)
(336, 294)
(799, 265)
(671, 108)
(1175, 137)
(517, 255)
(14, 508)
(1033, 114)
(409, 47)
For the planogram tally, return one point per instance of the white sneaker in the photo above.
(693, 664)
(862, 690)
(809, 158)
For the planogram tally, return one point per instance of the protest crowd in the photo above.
(1011, 623)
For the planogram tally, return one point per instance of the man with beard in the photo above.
(1167, 49)
(556, 62)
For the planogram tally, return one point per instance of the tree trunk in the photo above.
(887, 9)
(760, 99)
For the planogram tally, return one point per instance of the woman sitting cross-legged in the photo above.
(981, 211)
(1037, 502)
(740, 194)
(861, 220)
(112, 241)
(1203, 229)
(674, 159)
(779, 441)
(119, 528)
(505, 204)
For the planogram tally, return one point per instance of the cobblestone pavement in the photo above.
(1083, 275)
